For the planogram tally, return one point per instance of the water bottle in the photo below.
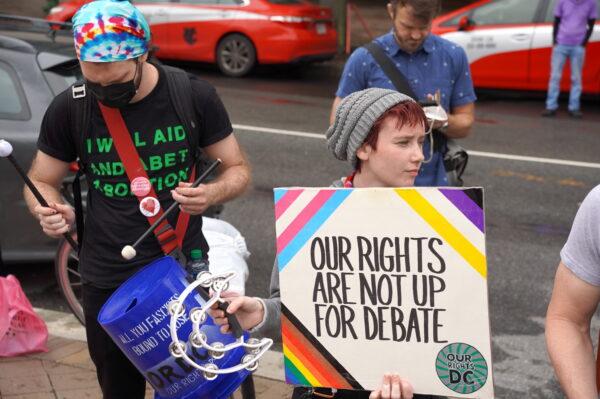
(197, 263)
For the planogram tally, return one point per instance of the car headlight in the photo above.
(56, 10)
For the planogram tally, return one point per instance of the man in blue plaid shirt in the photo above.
(429, 64)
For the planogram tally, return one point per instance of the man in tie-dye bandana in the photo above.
(111, 41)
(105, 33)
(110, 34)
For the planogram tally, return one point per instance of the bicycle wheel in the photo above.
(66, 269)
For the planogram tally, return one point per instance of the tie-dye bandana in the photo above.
(109, 31)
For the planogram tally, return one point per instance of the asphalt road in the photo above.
(530, 204)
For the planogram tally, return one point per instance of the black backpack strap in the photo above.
(78, 203)
(182, 99)
(387, 66)
(80, 106)
(180, 93)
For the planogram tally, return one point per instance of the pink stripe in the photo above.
(284, 203)
(304, 217)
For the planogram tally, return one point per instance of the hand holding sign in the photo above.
(393, 387)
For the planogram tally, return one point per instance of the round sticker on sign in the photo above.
(140, 186)
(149, 206)
(462, 368)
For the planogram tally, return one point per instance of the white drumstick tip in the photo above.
(5, 148)
(128, 252)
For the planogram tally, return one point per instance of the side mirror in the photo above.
(465, 24)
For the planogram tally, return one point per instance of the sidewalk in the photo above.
(67, 372)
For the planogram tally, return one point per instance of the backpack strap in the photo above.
(392, 72)
(182, 99)
(80, 109)
(78, 203)
(79, 116)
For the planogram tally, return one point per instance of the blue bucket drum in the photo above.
(198, 361)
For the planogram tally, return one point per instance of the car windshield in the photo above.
(505, 12)
(62, 76)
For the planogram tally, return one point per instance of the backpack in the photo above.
(79, 109)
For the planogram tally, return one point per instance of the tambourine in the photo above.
(254, 347)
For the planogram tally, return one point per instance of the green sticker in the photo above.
(462, 368)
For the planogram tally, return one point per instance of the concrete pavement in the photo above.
(67, 372)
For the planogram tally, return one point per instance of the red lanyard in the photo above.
(349, 180)
(168, 238)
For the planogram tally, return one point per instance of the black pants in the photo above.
(118, 378)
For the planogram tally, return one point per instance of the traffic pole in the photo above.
(340, 9)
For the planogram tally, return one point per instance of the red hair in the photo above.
(405, 113)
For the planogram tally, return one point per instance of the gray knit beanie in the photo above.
(354, 119)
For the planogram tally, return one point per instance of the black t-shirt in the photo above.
(113, 218)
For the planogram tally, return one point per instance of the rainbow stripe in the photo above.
(471, 209)
(445, 229)
(307, 362)
(305, 224)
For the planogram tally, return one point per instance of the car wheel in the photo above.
(236, 55)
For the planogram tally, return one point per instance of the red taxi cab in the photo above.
(509, 44)
(234, 34)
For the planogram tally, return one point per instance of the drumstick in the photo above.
(234, 323)
(128, 252)
(6, 150)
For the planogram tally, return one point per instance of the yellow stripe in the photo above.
(305, 372)
(448, 232)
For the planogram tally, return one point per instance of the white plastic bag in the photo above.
(228, 252)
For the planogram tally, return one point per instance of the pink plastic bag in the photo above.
(21, 329)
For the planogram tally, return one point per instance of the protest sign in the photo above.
(385, 280)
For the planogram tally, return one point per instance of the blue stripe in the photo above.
(311, 227)
(291, 378)
(278, 193)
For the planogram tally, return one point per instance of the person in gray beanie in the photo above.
(380, 133)
(355, 117)
(368, 119)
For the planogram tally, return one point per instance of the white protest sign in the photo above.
(385, 280)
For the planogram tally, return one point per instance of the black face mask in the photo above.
(116, 95)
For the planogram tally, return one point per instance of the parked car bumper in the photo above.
(297, 45)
